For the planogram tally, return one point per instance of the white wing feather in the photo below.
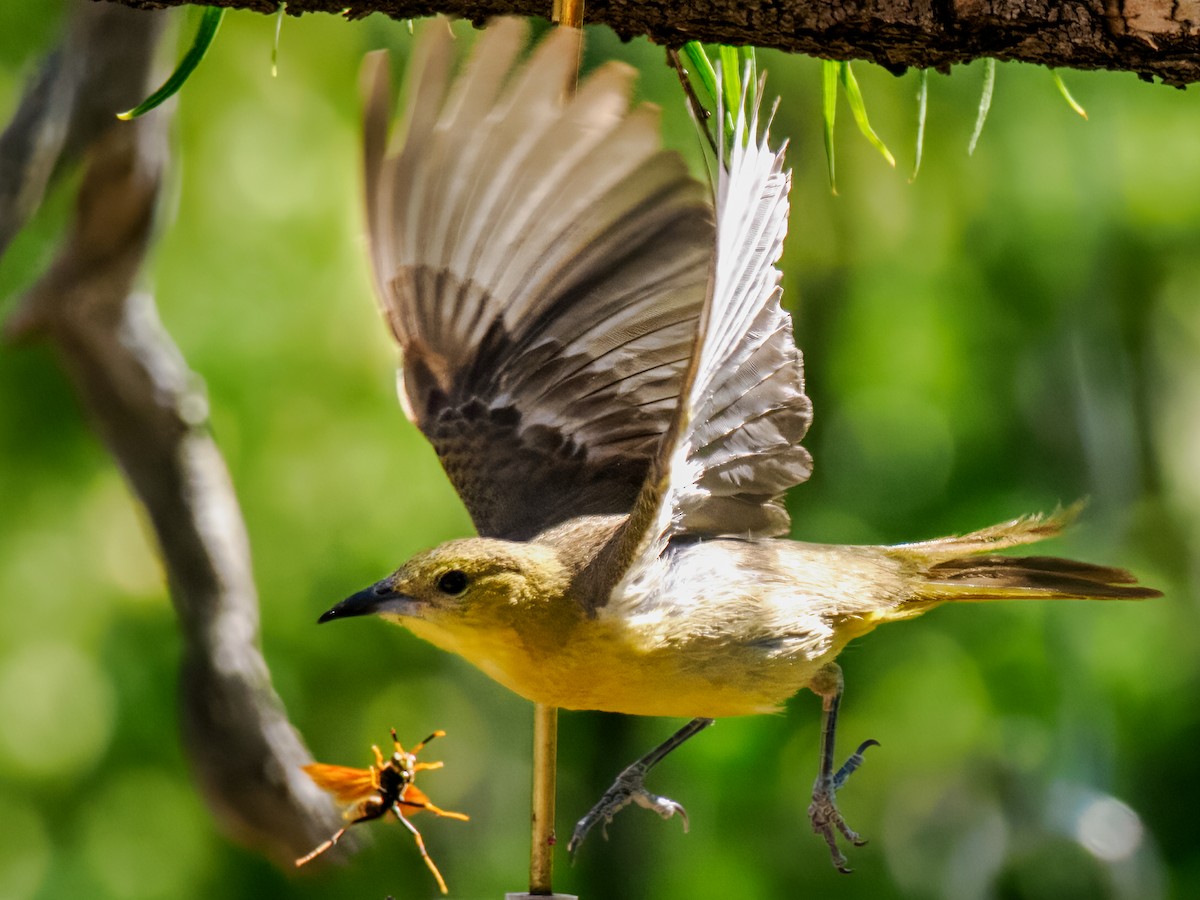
(737, 431)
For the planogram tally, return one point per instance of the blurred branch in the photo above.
(151, 412)
(1150, 37)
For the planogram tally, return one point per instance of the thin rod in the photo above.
(545, 753)
(567, 12)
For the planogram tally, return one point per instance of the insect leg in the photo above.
(429, 807)
(421, 846)
(437, 734)
(309, 857)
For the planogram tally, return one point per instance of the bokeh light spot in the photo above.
(145, 837)
(58, 710)
(1109, 829)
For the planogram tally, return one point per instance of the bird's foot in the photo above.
(628, 788)
(823, 812)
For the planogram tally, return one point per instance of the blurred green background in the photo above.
(1011, 331)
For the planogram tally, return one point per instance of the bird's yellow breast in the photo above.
(715, 628)
(624, 667)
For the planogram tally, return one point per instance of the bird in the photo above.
(592, 340)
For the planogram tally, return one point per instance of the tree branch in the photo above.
(1149, 37)
(151, 412)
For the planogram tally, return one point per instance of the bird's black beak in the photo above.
(367, 601)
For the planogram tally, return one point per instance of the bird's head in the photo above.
(470, 582)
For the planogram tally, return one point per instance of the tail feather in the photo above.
(1029, 577)
(1013, 533)
(966, 568)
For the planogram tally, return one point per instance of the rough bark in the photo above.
(150, 411)
(1153, 38)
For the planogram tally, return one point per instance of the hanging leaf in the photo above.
(985, 102)
(829, 83)
(922, 99)
(747, 60)
(275, 46)
(210, 23)
(735, 63)
(731, 82)
(859, 109)
(1071, 101)
(702, 68)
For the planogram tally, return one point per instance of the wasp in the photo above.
(371, 793)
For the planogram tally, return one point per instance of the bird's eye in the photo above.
(453, 582)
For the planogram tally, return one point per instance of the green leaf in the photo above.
(732, 63)
(731, 83)
(1071, 101)
(859, 109)
(985, 102)
(922, 100)
(275, 46)
(829, 83)
(210, 22)
(702, 68)
(746, 58)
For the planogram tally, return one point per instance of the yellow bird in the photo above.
(594, 345)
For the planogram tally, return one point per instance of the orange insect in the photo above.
(371, 793)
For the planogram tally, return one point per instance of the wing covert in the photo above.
(542, 263)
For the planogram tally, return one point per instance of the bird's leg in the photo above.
(630, 788)
(823, 811)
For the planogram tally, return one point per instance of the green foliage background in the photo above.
(1011, 331)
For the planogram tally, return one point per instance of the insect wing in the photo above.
(347, 784)
(413, 800)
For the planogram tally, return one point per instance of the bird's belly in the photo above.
(604, 666)
(697, 681)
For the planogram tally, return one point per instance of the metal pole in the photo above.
(567, 12)
(541, 851)
(545, 718)
(545, 756)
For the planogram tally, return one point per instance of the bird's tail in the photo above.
(962, 568)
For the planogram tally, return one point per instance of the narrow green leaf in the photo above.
(210, 22)
(1071, 101)
(985, 102)
(275, 46)
(922, 100)
(702, 68)
(859, 109)
(731, 81)
(829, 83)
(746, 58)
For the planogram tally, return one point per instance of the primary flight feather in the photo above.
(594, 344)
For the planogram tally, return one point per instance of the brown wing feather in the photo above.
(542, 263)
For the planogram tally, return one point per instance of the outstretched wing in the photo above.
(542, 264)
(347, 784)
(733, 448)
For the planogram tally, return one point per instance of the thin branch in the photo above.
(151, 412)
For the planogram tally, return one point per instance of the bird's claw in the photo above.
(823, 812)
(664, 806)
(628, 788)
